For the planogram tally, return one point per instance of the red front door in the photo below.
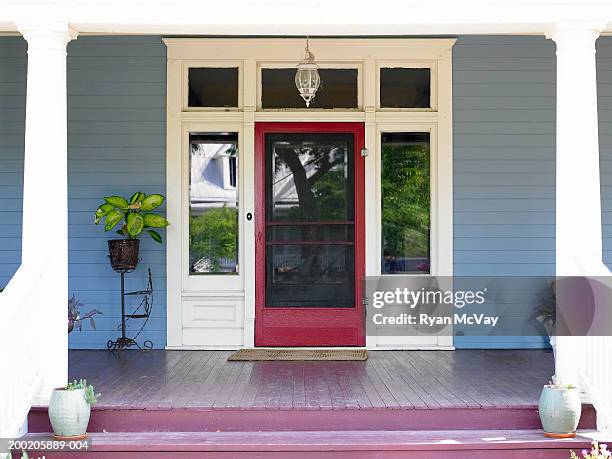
(309, 234)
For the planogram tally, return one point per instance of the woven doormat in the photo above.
(299, 354)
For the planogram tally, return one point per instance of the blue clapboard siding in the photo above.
(604, 96)
(12, 128)
(504, 165)
(116, 145)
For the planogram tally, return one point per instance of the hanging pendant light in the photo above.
(307, 78)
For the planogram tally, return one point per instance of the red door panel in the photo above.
(309, 240)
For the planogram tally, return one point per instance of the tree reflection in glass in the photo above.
(405, 186)
(310, 227)
(213, 209)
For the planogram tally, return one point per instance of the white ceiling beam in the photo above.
(324, 17)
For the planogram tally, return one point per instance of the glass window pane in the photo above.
(213, 87)
(405, 88)
(310, 276)
(338, 89)
(310, 177)
(310, 228)
(405, 203)
(213, 203)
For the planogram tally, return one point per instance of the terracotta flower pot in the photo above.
(123, 254)
(560, 411)
(69, 414)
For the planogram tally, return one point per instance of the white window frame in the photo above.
(231, 322)
(441, 229)
(195, 283)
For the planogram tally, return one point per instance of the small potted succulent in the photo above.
(559, 409)
(133, 216)
(75, 318)
(70, 408)
(597, 451)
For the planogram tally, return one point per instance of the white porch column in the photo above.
(45, 190)
(578, 196)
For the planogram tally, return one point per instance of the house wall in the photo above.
(12, 131)
(504, 164)
(504, 115)
(604, 88)
(116, 145)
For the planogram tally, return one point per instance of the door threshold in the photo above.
(325, 348)
(308, 348)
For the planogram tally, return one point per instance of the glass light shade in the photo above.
(307, 79)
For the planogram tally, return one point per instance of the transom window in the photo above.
(213, 87)
(339, 89)
(405, 88)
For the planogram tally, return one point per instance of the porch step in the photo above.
(126, 419)
(438, 444)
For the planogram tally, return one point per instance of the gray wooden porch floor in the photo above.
(387, 380)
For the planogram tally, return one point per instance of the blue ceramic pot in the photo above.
(559, 411)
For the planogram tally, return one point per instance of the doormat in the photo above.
(298, 354)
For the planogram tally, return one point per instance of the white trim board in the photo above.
(236, 330)
(280, 17)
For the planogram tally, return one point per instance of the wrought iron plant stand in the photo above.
(143, 311)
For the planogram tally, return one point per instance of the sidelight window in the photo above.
(405, 189)
(213, 203)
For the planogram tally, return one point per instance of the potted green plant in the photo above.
(133, 216)
(559, 409)
(75, 318)
(70, 408)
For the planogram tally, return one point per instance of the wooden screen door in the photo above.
(309, 234)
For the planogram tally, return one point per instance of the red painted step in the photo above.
(211, 420)
(458, 444)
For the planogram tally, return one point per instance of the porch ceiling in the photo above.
(285, 18)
